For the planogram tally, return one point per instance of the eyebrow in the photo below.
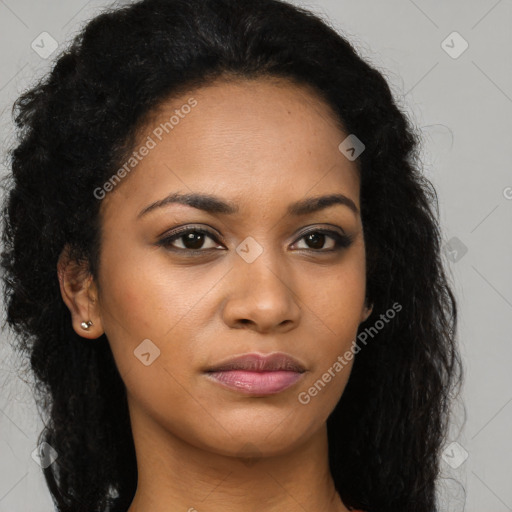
(216, 205)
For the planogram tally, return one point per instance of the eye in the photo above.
(191, 239)
(315, 240)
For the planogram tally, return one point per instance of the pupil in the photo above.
(316, 237)
(193, 240)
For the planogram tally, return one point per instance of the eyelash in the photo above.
(341, 241)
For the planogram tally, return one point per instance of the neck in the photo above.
(174, 475)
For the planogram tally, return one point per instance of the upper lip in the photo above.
(259, 363)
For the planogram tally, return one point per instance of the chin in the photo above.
(247, 440)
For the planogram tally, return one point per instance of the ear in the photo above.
(368, 309)
(79, 293)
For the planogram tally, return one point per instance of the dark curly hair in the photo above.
(76, 126)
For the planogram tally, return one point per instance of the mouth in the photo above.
(257, 374)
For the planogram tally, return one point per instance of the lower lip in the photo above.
(257, 383)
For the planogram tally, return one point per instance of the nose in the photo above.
(261, 297)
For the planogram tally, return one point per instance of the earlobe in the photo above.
(79, 293)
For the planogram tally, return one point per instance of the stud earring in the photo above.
(86, 325)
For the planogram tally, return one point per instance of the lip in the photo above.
(255, 362)
(257, 374)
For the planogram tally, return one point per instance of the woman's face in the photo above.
(250, 280)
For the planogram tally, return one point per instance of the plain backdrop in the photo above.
(449, 67)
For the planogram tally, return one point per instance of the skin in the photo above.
(261, 144)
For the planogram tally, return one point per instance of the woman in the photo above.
(224, 263)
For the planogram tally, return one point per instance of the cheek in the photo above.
(135, 289)
(144, 298)
(335, 297)
(162, 394)
(336, 301)
(132, 295)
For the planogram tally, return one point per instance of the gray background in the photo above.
(463, 105)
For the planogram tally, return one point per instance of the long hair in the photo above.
(76, 126)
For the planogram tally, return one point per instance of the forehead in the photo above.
(264, 138)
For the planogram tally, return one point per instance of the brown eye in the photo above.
(191, 239)
(315, 240)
